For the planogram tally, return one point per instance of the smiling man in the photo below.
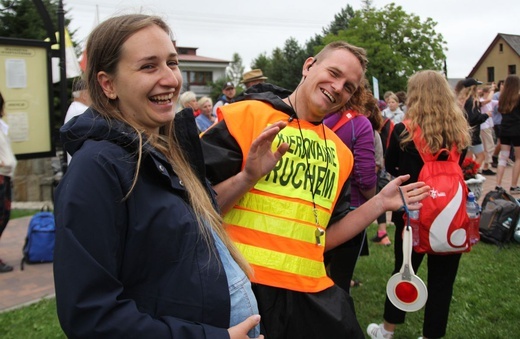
(283, 218)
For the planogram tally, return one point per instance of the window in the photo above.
(501, 47)
(511, 69)
(200, 78)
(490, 74)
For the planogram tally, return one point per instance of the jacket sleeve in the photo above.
(222, 154)
(364, 155)
(475, 117)
(91, 220)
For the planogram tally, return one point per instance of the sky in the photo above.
(220, 28)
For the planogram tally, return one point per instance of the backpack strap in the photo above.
(388, 125)
(422, 147)
(346, 116)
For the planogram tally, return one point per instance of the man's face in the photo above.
(330, 83)
(229, 92)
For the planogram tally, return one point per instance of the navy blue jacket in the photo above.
(134, 268)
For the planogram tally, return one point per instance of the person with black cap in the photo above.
(253, 77)
(227, 97)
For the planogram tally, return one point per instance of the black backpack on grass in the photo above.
(500, 213)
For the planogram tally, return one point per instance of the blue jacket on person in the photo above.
(134, 267)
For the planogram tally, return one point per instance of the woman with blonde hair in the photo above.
(206, 118)
(140, 247)
(432, 106)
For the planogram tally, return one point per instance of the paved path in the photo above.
(35, 282)
(18, 288)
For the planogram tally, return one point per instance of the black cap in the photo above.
(468, 82)
(228, 84)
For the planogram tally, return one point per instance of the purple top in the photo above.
(363, 176)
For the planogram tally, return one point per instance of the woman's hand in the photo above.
(240, 331)
(413, 193)
(261, 160)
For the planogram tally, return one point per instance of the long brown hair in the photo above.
(432, 105)
(509, 95)
(104, 48)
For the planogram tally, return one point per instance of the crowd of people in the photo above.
(245, 218)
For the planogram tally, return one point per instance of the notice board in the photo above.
(26, 85)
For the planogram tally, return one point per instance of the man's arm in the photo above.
(389, 199)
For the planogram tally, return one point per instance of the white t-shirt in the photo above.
(7, 159)
(489, 107)
(396, 116)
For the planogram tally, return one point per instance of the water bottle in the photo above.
(507, 224)
(413, 216)
(517, 231)
(473, 210)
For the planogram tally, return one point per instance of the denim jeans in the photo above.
(243, 301)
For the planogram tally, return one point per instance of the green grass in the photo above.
(486, 299)
(22, 213)
(36, 321)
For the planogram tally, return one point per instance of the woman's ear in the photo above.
(107, 84)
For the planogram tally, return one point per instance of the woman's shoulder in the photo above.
(101, 152)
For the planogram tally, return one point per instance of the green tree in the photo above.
(262, 62)
(235, 70)
(398, 44)
(341, 21)
(21, 19)
(233, 73)
(284, 66)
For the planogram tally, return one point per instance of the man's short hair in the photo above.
(359, 53)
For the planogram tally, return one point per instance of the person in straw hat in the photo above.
(253, 77)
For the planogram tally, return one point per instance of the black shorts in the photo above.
(515, 141)
(297, 315)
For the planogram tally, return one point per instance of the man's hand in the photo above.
(261, 160)
(413, 193)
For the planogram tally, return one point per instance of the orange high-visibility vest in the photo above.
(273, 224)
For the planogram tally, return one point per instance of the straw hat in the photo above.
(253, 75)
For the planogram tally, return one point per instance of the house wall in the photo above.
(218, 71)
(500, 61)
(35, 179)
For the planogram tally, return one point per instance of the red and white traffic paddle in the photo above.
(404, 289)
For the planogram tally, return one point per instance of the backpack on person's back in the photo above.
(500, 213)
(443, 220)
(40, 239)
